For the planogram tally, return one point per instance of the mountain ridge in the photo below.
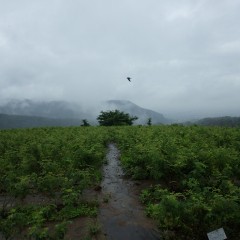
(143, 114)
(225, 121)
(62, 113)
(19, 121)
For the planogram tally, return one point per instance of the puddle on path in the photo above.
(121, 214)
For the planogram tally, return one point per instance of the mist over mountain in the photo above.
(143, 114)
(18, 121)
(225, 121)
(29, 113)
(50, 109)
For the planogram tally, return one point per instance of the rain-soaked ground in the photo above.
(121, 214)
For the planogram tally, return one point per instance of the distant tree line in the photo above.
(220, 121)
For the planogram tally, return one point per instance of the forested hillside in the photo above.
(220, 121)
(18, 121)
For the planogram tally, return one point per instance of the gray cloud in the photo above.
(183, 56)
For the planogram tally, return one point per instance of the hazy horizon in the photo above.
(183, 56)
(95, 109)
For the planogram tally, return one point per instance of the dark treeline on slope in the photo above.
(18, 121)
(220, 121)
(48, 109)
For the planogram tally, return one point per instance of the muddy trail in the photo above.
(121, 214)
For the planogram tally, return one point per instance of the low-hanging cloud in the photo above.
(183, 56)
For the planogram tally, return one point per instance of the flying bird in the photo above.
(129, 79)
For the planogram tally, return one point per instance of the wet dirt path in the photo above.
(121, 214)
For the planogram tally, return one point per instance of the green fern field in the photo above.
(195, 172)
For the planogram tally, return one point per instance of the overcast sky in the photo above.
(183, 55)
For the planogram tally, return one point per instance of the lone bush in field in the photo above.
(115, 118)
(85, 123)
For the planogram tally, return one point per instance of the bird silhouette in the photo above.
(129, 79)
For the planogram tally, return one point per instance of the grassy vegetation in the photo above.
(198, 175)
(196, 169)
(53, 164)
